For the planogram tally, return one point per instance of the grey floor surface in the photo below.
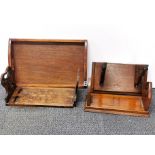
(43, 121)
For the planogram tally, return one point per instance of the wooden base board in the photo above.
(32, 96)
(116, 104)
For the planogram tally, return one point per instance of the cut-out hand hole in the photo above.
(5, 76)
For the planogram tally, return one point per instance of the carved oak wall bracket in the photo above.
(7, 81)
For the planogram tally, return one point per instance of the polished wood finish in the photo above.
(125, 89)
(42, 67)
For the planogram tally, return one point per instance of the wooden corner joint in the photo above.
(7, 81)
(147, 95)
(149, 90)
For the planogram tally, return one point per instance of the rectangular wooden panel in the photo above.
(118, 78)
(116, 104)
(32, 96)
(51, 63)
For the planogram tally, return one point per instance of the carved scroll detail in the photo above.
(7, 81)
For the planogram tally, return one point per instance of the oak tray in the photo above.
(119, 89)
(45, 72)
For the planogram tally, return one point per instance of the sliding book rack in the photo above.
(119, 89)
(45, 72)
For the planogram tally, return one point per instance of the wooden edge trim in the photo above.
(47, 40)
(120, 112)
(85, 60)
(150, 90)
(9, 53)
(92, 77)
(21, 105)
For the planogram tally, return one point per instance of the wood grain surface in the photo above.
(118, 78)
(57, 62)
(43, 96)
(119, 93)
(46, 72)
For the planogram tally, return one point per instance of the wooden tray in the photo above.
(119, 89)
(45, 72)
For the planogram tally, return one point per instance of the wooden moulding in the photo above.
(45, 72)
(119, 89)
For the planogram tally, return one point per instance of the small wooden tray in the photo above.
(119, 89)
(45, 72)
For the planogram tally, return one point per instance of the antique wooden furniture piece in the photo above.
(119, 89)
(45, 72)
